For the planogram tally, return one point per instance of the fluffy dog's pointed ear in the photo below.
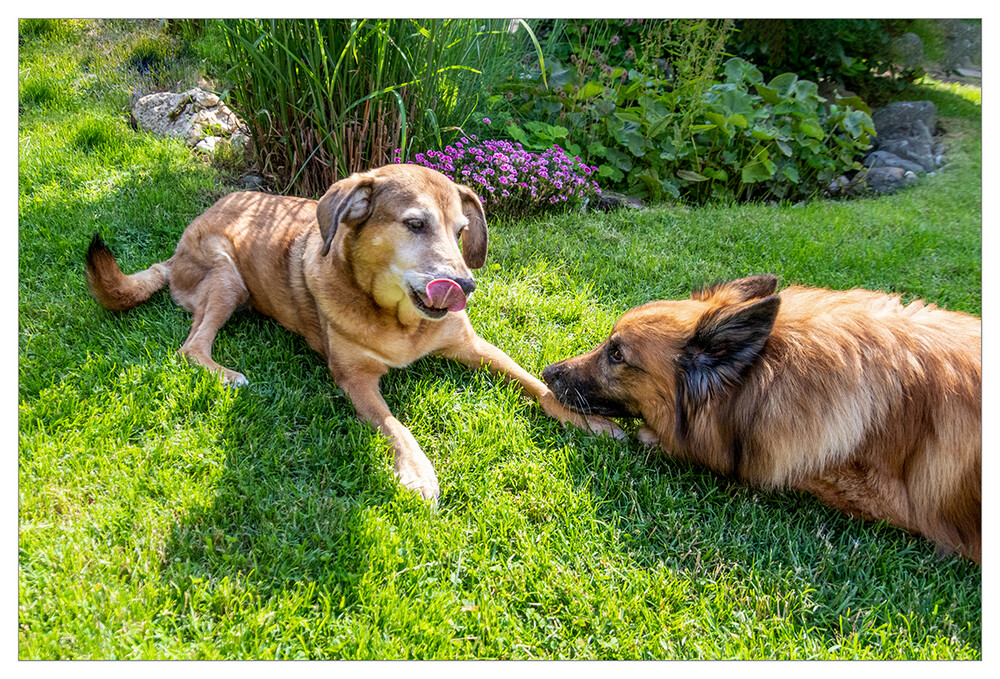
(740, 290)
(725, 343)
(349, 201)
(475, 238)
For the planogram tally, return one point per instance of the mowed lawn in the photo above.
(163, 516)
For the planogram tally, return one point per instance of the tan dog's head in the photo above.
(398, 228)
(664, 360)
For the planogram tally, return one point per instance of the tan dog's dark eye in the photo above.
(458, 236)
(616, 356)
(414, 224)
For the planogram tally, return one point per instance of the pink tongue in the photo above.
(445, 293)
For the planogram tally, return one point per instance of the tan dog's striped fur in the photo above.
(873, 406)
(347, 273)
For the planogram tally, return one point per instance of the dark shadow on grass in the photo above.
(301, 473)
(856, 575)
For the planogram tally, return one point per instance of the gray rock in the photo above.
(905, 131)
(913, 149)
(885, 180)
(196, 116)
(251, 181)
(908, 51)
(887, 159)
(897, 117)
(963, 44)
(610, 200)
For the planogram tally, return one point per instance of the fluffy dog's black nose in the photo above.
(552, 373)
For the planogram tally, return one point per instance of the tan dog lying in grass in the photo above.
(873, 406)
(372, 276)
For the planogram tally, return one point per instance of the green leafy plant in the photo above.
(853, 53)
(614, 66)
(742, 138)
(777, 139)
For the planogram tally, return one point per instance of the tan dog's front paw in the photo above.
(602, 425)
(592, 423)
(232, 378)
(418, 476)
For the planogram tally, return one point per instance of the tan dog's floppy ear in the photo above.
(348, 201)
(740, 290)
(475, 239)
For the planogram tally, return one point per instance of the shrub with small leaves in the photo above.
(511, 181)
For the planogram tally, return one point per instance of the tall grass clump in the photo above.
(327, 98)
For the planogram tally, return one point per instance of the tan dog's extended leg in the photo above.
(412, 467)
(476, 352)
(221, 294)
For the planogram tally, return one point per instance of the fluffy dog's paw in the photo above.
(602, 425)
(648, 437)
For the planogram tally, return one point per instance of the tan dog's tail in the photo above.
(113, 289)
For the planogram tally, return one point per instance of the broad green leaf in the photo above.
(658, 126)
(628, 115)
(670, 188)
(596, 148)
(738, 120)
(637, 145)
(737, 102)
(857, 103)
(604, 107)
(691, 176)
(591, 89)
(737, 70)
(768, 94)
(783, 83)
(812, 130)
(517, 133)
(756, 171)
(720, 120)
(807, 89)
(858, 123)
(620, 159)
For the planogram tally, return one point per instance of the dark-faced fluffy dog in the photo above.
(871, 405)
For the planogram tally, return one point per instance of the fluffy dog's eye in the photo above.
(414, 224)
(616, 356)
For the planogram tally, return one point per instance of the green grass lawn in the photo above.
(164, 516)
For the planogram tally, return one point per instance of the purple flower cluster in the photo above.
(510, 180)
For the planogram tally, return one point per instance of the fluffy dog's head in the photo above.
(666, 360)
(399, 229)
